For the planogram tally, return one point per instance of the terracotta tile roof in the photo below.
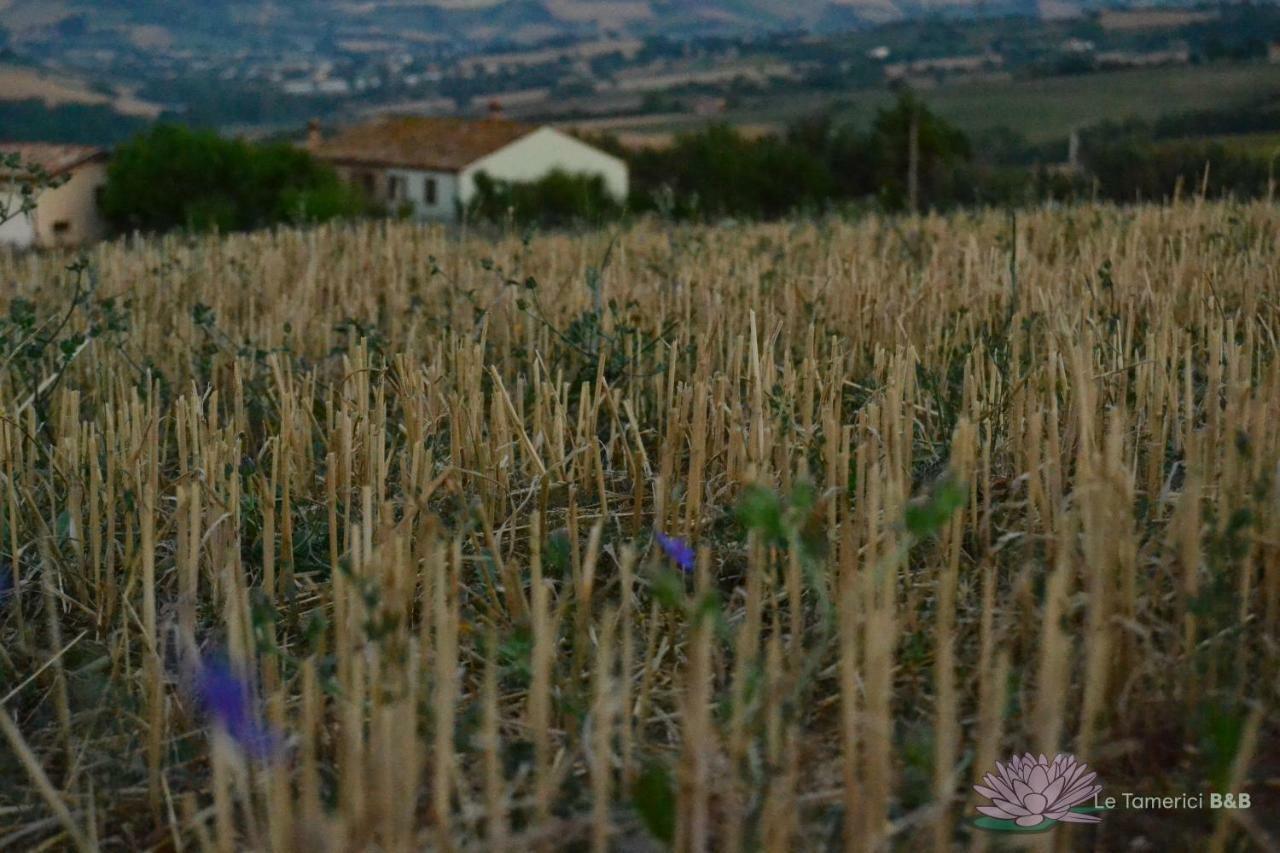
(440, 144)
(53, 158)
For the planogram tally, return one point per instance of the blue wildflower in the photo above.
(680, 552)
(226, 700)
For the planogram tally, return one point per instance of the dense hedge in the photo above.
(557, 199)
(175, 177)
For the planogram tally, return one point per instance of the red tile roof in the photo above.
(52, 157)
(439, 144)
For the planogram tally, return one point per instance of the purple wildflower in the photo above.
(6, 584)
(226, 700)
(680, 552)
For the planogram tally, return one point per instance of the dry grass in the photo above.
(407, 483)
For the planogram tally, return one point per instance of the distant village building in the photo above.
(66, 215)
(943, 66)
(1174, 55)
(430, 164)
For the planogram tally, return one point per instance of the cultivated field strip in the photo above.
(954, 488)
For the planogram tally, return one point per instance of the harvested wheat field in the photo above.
(771, 537)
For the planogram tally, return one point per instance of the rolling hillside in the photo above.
(480, 20)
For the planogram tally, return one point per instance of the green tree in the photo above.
(1138, 169)
(941, 147)
(721, 172)
(175, 177)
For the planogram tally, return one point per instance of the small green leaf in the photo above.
(654, 799)
(557, 553)
(667, 589)
(515, 653)
(927, 517)
(1220, 730)
(760, 509)
(803, 497)
(62, 526)
(202, 315)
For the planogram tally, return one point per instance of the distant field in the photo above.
(1050, 107)
(1041, 109)
(18, 83)
(1151, 19)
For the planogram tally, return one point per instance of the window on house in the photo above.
(429, 191)
(395, 187)
(61, 227)
(366, 183)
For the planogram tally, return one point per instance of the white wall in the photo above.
(415, 187)
(414, 182)
(64, 216)
(68, 215)
(19, 231)
(541, 152)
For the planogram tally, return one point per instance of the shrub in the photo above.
(175, 177)
(1129, 169)
(558, 199)
(721, 172)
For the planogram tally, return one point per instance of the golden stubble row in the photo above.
(406, 481)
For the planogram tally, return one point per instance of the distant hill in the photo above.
(291, 22)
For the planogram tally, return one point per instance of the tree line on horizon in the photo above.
(908, 158)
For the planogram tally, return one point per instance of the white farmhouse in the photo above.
(430, 164)
(66, 215)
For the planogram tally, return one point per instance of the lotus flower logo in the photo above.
(1030, 794)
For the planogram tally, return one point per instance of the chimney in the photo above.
(314, 137)
(495, 109)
